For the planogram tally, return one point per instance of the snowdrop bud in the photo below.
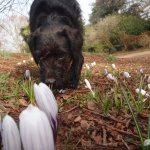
(143, 92)
(93, 64)
(105, 72)
(114, 66)
(24, 61)
(87, 66)
(27, 74)
(19, 63)
(36, 132)
(126, 75)
(10, 134)
(141, 71)
(148, 79)
(88, 85)
(149, 86)
(47, 103)
(147, 142)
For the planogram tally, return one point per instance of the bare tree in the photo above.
(10, 35)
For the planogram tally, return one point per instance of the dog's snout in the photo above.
(50, 80)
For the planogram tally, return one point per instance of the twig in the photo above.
(126, 145)
(108, 116)
(70, 110)
(118, 130)
(78, 143)
(104, 136)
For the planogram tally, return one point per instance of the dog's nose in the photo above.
(50, 81)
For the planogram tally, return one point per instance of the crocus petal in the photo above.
(147, 142)
(46, 102)
(143, 92)
(10, 134)
(36, 132)
(114, 66)
(126, 75)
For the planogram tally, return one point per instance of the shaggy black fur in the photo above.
(56, 41)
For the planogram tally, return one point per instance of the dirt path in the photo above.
(133, 54)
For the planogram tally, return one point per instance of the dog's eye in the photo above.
(61, 58)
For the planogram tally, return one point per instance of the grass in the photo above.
(4, 54)
(120, 96)
(4, 77)
(27, 87)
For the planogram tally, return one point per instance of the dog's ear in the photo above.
(32, 42)
(75, 40)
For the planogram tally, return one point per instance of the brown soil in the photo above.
(84, 126)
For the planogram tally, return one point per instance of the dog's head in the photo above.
(53, 49)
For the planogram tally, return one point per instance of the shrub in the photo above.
(144, 39)
(132, 25)
(25, 34)
(117, 32)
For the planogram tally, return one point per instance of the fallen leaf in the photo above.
(91, 105)
(77, 119)
(84, 124)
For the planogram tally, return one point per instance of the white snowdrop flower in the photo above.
(87, 66)
(114, 66)
(36, 132)
(110, 77)
(93, 64)
(141, 71)
(31, 58)
(47, 103)
(27, 74)
(24, 61)
(126, 75)
(147, 142)
(10, 134)
(149, 86)
(62, 91)
(105, 72)
(148, 79)
(147, 95)
(143, 92)
(19, 63)
(88, 85)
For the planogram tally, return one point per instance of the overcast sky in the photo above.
(86, 8)
(22, 7)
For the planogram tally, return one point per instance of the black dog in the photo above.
(56, 41)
